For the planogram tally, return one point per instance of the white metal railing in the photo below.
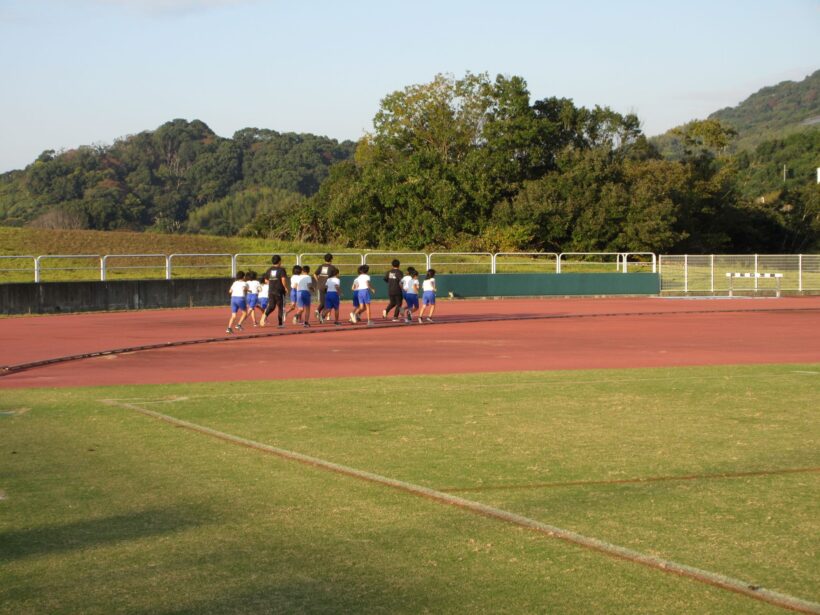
(531, 260)
(235, 261)
(684, 273)
(345, 262)
(706, 273)
(386, 258)
(38, 263)
(105, 268)
(199, 257)
(22, 257)
(466, 260)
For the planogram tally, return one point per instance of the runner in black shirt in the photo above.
(277, 290)
(393, 279)
(323, 272)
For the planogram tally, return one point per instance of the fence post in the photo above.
(168, 267)
(800, 272)
(756, 271)
(233, 266)
(37, 269)
(686, 273)
(492, 263)
(712, 274)
(103, 260)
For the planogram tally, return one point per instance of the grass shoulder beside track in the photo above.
(103, 502)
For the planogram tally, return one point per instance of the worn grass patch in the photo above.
(107, 510)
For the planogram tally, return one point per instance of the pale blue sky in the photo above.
(88, 71)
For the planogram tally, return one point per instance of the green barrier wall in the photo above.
(530, 284)
(51, 297)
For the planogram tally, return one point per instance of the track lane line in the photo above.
(703, 576)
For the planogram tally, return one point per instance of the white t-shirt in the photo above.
(333, 284)
(253, 287)
(409, 285)
(239, 288)
(304, 282)
(263, 291)
(429, 285)
(294, 281)
(362, 282)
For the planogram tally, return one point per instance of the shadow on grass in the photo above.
(83, 534)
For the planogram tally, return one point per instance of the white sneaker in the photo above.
(384, 313)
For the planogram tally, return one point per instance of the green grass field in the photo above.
(106, 510)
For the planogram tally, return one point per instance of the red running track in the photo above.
(543, 334)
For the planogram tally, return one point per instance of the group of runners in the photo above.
(267, 294)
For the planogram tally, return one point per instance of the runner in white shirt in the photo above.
(410, 288)
(294, 283)
(304, 286)
(363, 289)
(332, 298)
(263, 294)
(429, 296)
(252, 297)
(237, 292)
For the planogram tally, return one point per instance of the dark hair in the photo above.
(252, 275)
(359, 270)
(240, 275)
(275, 259)
(395, 262)
(411, 270)
(365, 268)
(328, 257)
(297, 269)
(431, 273)
(305, 268)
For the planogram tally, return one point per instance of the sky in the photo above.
(83, 72)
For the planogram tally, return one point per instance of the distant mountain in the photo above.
(181, 176)
(773, 112)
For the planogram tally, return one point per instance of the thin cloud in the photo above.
(160, 7)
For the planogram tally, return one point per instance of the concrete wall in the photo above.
(62, 297)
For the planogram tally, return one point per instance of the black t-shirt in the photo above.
(275, 275)
(324, 272)
(393, 279)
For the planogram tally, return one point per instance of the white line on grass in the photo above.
(704, 576)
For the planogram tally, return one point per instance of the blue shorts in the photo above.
(412, 300)
(303, 299)
(293, 295)
(355, 298)
(332, 301)
(252, 301)
(364, 296)
(237, 304)
(429, 297)
(263, 303)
